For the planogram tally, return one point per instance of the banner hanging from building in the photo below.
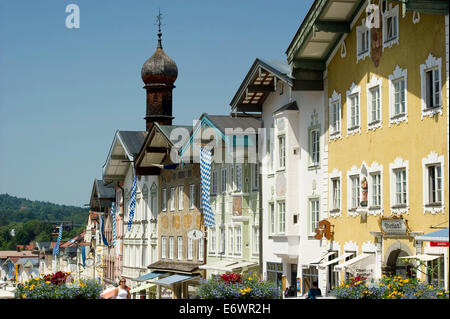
(205, 173)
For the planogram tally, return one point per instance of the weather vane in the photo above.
(158, 20)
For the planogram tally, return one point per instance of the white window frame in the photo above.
(238, 239)
(255, 236)
(272, 218)
(352, 173)
(432, 159)
(230, 250)
(335, 175)
(281, 215)
(239, 175)
(171, 247)
(375, 82)
(355, 91)
(201, 247)
(397, 75)
(313, 215)
(190, 249)
(213, 241)
(255, 180)
(222, 240)
(163, 247)
(180, 197)
(431, 64)
(282, 151)
(391, 12)
(398, 164)
(374, 169)
(192, 196)
(315, 147)
(335, 126)
(180, 247)
(361, 31)
(214, 182)
(164, 200)
(172, 199)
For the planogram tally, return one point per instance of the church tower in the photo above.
(159, 73)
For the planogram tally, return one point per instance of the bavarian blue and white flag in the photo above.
(113, 217)
(56, 248)
(132, 202)
(102, 231)
(205, 173)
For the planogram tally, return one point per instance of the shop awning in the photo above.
(422, 257)
(149, 276)
(238, 265)
(353, 261)
(174, 279)
(316, 262)
(335, 260)
(439, 235)
(142, 287)
(218, 265)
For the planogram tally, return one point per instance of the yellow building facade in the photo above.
(388, 160)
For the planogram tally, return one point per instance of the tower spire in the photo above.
(158, 19)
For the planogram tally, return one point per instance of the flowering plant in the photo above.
(57, 286)
(235, 286)
(388, 288)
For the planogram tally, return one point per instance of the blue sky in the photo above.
(64, 92)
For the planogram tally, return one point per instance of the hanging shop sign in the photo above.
(438, 243)
(323, 230)
(394, 226)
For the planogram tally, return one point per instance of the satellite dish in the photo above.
(89, 262)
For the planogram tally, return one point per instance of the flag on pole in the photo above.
(205, 173)
(56, 248)
(102, 231)
(113, 217)
(132, 203)
(83, 255)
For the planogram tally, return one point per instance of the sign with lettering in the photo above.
(323, 230)
(439, 243)
(393, 226)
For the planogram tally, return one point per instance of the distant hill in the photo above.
(32, 220)
(21, 210)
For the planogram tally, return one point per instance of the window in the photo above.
(180, 197)
(232, 184)
(335, 117)
(315, 147)
(163, 247)
(272, 218)
(190, 249)
(430, 73)
(172, 199)
(231, 239)
(399, 97)
(255, 239)
(400, 187)
(224, 180)
(390, 26)
(362, 41)
(214, 182)
(180, 247)
(222, 240)
(282, 151)
(171, 247)
(281, 217)
(354, 180)
(398, 105)
(212, 243)
(201, 245)
(354, 109)
(375, 179)
(239, 177)
(436, 276)
(375, 114)
(163, 199)
(313, 214)
(336, 185)
(192, 196)
(434, 184)
(238, 234)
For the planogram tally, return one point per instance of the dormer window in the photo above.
(390, 26)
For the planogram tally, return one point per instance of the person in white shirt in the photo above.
(122, 292)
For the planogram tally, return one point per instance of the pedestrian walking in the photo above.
(122, 292)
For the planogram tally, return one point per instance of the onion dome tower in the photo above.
(159, 73)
